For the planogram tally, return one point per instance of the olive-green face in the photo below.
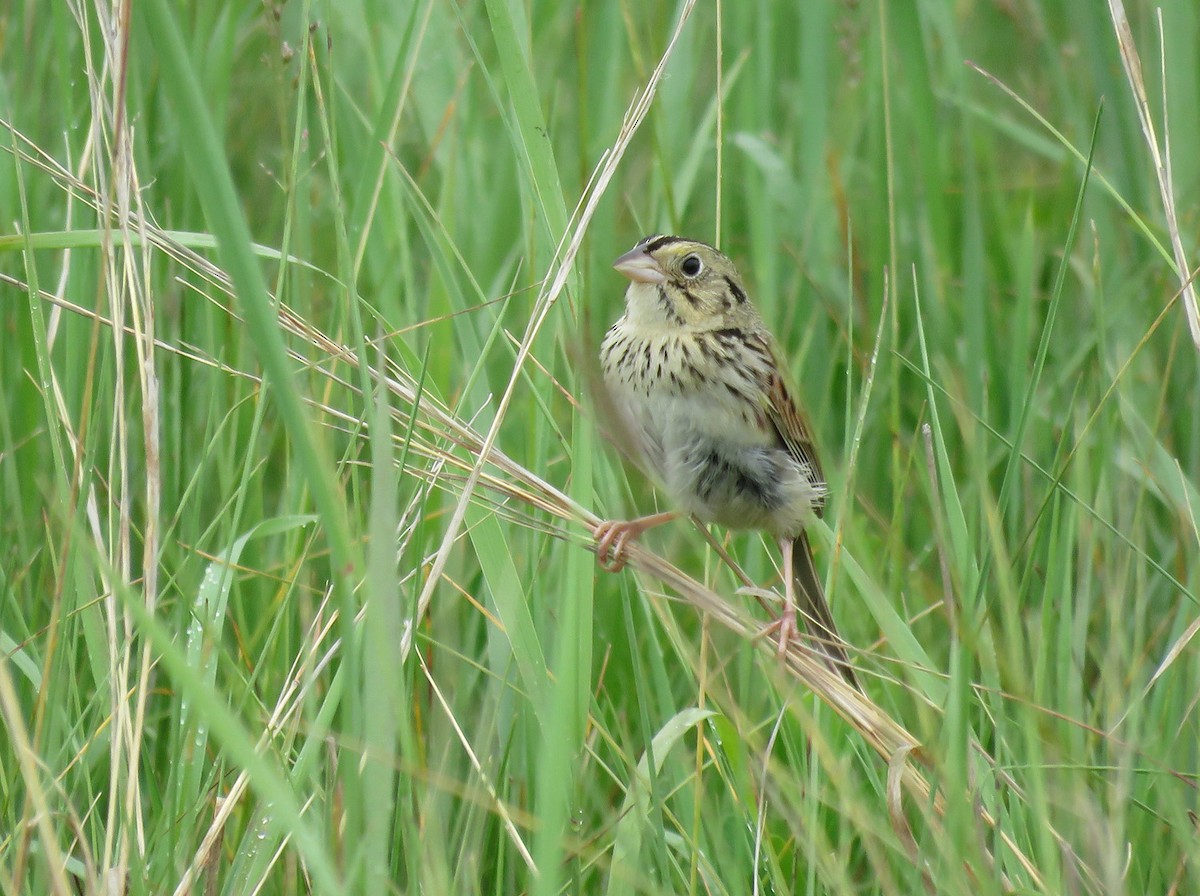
(685, 281)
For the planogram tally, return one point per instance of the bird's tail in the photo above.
(814, 609)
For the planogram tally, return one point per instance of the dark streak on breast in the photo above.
(730, 335)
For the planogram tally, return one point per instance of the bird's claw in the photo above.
(785, 629)
(612, 536)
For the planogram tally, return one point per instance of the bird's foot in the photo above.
(612, 537)
(784, 628)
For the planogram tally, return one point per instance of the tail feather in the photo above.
(814, 609)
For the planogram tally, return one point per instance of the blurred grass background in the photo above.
(216, 671)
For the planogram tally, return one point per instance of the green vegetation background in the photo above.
(216, 527)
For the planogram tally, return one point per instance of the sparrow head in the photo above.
(683, 282)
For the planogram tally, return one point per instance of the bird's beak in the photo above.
(640, 267)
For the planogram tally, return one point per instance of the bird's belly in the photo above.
(719, 464)
(740, 486)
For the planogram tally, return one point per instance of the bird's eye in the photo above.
(692, 266)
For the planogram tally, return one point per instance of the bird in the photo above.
(697, 381)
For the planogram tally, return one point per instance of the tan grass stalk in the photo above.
(1160, 154)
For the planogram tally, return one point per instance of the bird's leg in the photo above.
(805, 596)
(786, 623)
(612, 536)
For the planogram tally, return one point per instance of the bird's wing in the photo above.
(791, 423)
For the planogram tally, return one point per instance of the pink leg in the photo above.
(787, 619)
(785, 625)
(612, 537)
